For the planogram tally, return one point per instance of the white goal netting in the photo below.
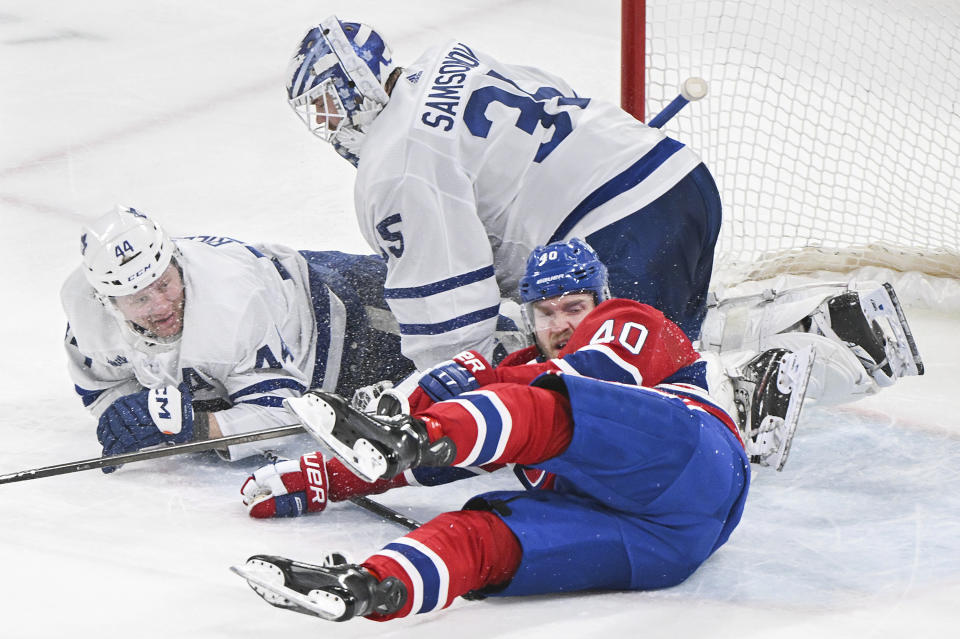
(831, 126)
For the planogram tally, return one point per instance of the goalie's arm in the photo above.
(440, 284)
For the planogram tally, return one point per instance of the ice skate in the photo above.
(875, 328)
(768, 394)
(335, 591)
(374, 447)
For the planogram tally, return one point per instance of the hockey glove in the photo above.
(365, 398)
(146, 418)
(465, 372)
(290, 487)
(287, 488)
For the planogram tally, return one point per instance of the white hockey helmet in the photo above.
(124, 251)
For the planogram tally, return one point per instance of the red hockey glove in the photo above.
(287, 488)
(290, 487)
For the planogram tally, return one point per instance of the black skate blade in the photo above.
(908, 333)
(329, 606)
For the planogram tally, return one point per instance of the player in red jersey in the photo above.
(649, 474)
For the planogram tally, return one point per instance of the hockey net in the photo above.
(832, 128)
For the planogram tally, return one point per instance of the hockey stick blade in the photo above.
(154, 453)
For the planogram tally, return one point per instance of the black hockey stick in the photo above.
(167, 451)
(692, 90)
(386, 512)
(194, 447)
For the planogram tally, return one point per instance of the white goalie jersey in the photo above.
(248, 337)
(471, 165)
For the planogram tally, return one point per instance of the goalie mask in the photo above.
(555, 271)
(337, 80)
(129, 259)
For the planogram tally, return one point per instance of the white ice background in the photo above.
(177, 107)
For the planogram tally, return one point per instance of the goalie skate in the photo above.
(335, 591)
(768, 395)
(374, 447)
(886, 318)
(873, 326)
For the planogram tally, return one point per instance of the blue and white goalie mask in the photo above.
(337, 82)
(560, 269)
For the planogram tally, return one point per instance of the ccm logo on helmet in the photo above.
(139, 273)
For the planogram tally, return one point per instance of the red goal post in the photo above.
(633, 17)
(831, 126)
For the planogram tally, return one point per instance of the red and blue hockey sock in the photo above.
(450, 555)
(503, 423)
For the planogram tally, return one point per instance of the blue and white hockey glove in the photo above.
(465, 372)
(146, 418)
(287, 488)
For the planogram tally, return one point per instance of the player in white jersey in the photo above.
(171, 340)
(465, 164)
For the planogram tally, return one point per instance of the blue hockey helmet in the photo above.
(555, 270)
(560, 268)
(337, 82)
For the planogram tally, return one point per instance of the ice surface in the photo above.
(177, 108)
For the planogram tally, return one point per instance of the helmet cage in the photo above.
(318, 106)
(339, 73)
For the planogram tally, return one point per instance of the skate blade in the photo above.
(318, 418)
(316, 415)
(875, 307)
(368, 461)
(263, 581)
(801, 366)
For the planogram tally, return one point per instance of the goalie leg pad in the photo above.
(747, 322)
(871, 325)
(838, 376)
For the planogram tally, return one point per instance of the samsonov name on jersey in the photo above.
(442, 102)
